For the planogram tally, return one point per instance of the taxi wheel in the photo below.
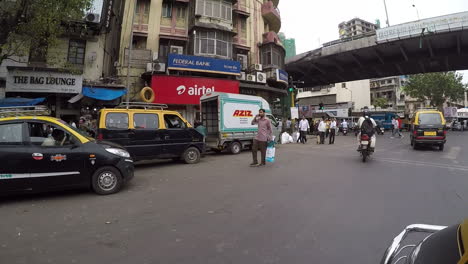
(191, 155)
(441, 147)
(107, 180)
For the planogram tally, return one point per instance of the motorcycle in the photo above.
(435, 244)
(365, 147)
(380, 130)
(345, 131)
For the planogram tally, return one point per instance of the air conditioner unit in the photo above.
(243, 61)
(250, 77)
(177, 49)
(155, 67)
(241, 77)
(93, 18)
(257, 67)
(159, 67)
(261, 77)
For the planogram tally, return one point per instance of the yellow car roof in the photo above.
(137, 110)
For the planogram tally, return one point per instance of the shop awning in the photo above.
(104, 94)
(19, 101)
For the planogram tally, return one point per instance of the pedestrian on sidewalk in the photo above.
(303, 128)
(288, 126)
(260, 141)
(322, 127)
(396, 128)
(332, 131)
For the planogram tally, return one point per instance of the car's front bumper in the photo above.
(127, 168)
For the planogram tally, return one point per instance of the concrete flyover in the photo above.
(428, 45)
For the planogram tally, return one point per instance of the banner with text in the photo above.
(203, 64)
(28, 81)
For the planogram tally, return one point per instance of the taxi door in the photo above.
(146, 139)
(58, 157)
(177, 136)
(15, 158)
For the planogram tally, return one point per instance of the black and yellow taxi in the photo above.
(148, 131)
(428, 128)
(41, 153)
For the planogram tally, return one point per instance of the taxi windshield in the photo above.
(430, 119)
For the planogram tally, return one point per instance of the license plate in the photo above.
(364, 142)
(430, 133)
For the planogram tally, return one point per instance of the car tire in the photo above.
(107, 180)
(411, 142)
(441, 147)
(415, 146)
(191, 155)
(235, 148)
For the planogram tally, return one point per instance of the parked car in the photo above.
(44, 153)
(428, 128)
(148, 131)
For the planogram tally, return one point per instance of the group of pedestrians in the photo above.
(325, 129)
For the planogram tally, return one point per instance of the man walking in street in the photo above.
(303, 128)
(322, 127)
(288, 126)
(396, 128)
(332, 131)
(260, 141)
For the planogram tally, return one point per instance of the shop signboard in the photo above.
(282, 76)
(202, 64)
(29, 81)
(188, 90)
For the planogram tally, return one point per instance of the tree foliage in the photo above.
(437, 88)
(380, 102)
(34, 23)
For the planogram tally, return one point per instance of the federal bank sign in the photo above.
(31, 81)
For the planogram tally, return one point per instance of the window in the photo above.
(272, 55)
(117, 121)
(173, 121)
(167, 10)
(146, 121)
(213, 43)
(180, 12)
(389, 81)
(163, 52)
(215, 8)
(382, 82)
(76, 51)
(142, 12)
(429, 119)
(343, 85)
(11, 134)
(48, 135)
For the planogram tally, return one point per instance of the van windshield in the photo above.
(430, 119)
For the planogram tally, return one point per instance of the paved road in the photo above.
(316, 204)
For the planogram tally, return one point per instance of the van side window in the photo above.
(11, 134)
(117, 121)
(173, 121)
(146, 121)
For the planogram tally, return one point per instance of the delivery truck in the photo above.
(228, 120)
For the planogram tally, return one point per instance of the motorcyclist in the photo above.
(365, 116)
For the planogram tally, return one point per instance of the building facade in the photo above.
(337, 99)
(389, 88)
(199, 44)
(289, 45)
(355, 27)
(77, 72)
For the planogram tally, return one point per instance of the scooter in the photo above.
(380, 130)
(365, 147)
(345, 131)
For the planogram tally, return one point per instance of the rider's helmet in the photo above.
(365, 111)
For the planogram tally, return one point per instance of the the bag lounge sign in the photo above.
(203, 64)
(19, 80)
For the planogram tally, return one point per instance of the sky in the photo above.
(314, 22)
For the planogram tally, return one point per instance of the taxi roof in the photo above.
(136, 110)
(44, 118)
(428, 112)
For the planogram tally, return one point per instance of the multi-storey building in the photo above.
(389, 88)
(207, 45)
(289, 45)
(78, 71)
(355, 27)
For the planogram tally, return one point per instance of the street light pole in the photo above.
(417, 11)
(386, 12)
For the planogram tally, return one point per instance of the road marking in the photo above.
(422, 163)
(452, 153)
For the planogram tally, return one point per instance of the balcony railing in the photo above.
(272, 16)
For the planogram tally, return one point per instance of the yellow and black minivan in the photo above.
(428, 128)
(148, 131)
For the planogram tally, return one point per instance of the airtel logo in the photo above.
(194, 90)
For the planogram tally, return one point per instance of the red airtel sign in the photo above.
(188, 90)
